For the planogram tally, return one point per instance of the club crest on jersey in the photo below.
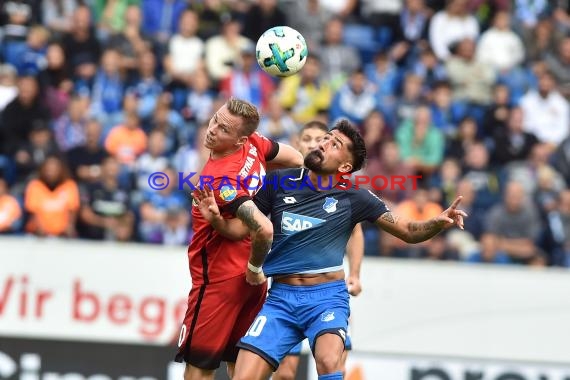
(293, 223)
(330, 205)
(228, 193)
(327, 316)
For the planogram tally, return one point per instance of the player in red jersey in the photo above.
(228, 285)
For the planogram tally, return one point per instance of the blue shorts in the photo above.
(292, 313)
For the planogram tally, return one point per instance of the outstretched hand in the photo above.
(452, 216)
(207, 203)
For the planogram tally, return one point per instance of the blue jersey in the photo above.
(311, 227)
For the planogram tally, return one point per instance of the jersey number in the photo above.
(257, 326)
(182, 335)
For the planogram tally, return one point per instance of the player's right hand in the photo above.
(207, 203)
(254, 278)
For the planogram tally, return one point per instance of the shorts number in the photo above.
(182, 335)
(257, 326)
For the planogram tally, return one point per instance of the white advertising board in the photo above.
(92, 291)
(362, 366)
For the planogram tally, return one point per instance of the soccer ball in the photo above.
(281, 51)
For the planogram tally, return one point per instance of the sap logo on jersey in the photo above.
(293, 223)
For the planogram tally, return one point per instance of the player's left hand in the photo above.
(254, 278)
(452, 216)
(354, 286)
(207, 203)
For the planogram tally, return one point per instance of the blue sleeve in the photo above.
(367, 206)
(264, 197)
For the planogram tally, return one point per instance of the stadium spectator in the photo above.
(10, 210)
(105, 207)
(110, 16)
(411, 33)
(21, 114)
(56, 81)
(559, 65)
(337, 58)
(276, 124)
(421, 143)
(147, 88)
(495, 117)
(546, 112)
(465, 137)
(160, 19)
(8, 86)
(57, 15)
(163, 213)
(52, 201)
(451, 25)
(389, 166)
(472, 80)
(261, 16)
(185, 50)
(126, 142)
(32, 59)
(69, 129)
(306, 95)
(153, 160)
(486, 182)
(512, 144)
(499, 46)
(131, 42)
(85, 160)
(222, 50)
(82, 49)
(16, 18)
(542, 40)
(446, 112)
(247, 81)
(514, 226)
(375, 132)
(354, 100)
(408, 103)
(108, 91)
(443, 183)
(309, 18)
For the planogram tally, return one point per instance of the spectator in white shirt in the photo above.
(546, 112)
(450, 25)
(185, 49)
(499, 46)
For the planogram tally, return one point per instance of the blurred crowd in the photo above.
(471, 95)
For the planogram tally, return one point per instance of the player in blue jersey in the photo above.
(309, 137)
(313, 216)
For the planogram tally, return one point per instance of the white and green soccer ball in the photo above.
(281, 51)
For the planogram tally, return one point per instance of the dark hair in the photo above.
(357, 147)
(314, 124)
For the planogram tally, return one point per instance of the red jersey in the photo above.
(212, 257)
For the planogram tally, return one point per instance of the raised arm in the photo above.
(355, 253)
(287, 157)
(412, 231)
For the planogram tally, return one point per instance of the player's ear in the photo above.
(241, 140)
(345, 167)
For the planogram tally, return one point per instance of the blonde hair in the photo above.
(247, 111)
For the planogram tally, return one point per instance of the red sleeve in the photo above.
(267, 147)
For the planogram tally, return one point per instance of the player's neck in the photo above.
(218, 155)
(322, 181)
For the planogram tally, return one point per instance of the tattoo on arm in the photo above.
(422, 231)
(388, 217)
(259, 246)
(245, 214)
